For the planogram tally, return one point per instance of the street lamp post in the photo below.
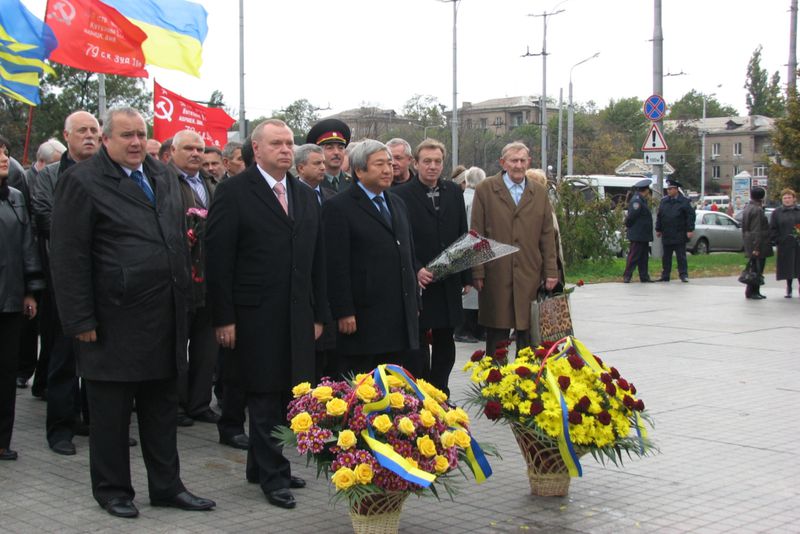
(571, 114)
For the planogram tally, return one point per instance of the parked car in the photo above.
(715, 232)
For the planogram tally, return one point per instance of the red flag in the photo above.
(95, 37)
(173, 113)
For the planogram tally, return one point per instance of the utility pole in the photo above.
(101, 96)
(571, 115)
(454, 118)
(560, 122)
(543, 99)
(792, 74)
(658, 87)
(242, 121)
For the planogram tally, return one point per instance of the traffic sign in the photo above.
(655, 108)
(655, 158)
(654, 142)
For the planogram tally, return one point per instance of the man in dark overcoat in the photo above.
(120, 268)
(675, 227)
(438, 217)
(373, 289)
(266, 282)
(639, 221)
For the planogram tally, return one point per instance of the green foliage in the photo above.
(690, 106)
(625, 117)
(684, 155)
(300, 115)
(786, 172)
(425, 110)
(763, 94)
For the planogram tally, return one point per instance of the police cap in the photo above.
(643, 184)
(674, 183)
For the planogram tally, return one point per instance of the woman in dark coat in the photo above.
(782, 230)
(755, 234)
(20, 276)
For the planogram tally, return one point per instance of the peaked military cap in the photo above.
(329, 131)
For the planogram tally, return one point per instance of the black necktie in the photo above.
(382, 208)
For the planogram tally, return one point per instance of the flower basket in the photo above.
(378, 514)
(547, 472)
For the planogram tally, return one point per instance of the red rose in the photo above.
(640, 405)
(633, 389)
(575, 361)
(501, 354)
(524, 372)
(494, 376)
(563, 382)
(575, 418)
(605, 378)
(503, 344)
(583, 404)
(548, 344)
(537, 407)
(623, 384)
(615, 373)
(580, 283)
(599, 361)
(611, 389)
(477, 355)
(540, 353)
(604, 417)
(628, 401)
(493, 410)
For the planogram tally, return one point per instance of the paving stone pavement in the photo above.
(719, 374)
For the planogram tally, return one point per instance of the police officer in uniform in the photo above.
(333, 136)
(639, 222)
(675, 227)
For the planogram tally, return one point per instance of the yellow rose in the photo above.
(451, 418)
(364, 473)
(366, 377)
(347, 439)
(434, 407)
(335, 407)
(463, 417)
(395, 382)
(382, 423)
(301, 422)
(366, 392)
(301, 389)
(431, 390)
(406, 426)
(426, 418)
(426, 446)
(412, 462)
(462, 438)
(396, 400)
(448, 439)
(343, 478)
(323, 393)
(442, 464)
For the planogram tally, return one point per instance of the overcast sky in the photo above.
(353, 52)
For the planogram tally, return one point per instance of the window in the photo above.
(736, 170)
(760, 171)
(483, 124)
(516, 119)
(737, 150)
(715, 174)
(469, 124)
(715, 150)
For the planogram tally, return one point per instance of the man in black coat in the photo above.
(639, 222)
(120, 267)
(266, 282)
(438, 217)
(675, 226)
(373, 289)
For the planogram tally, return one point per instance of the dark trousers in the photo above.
(231, 421)
(497, 335)
(194, 384)
(63, 394)
(266, 463)
(10, 329)
(470, 326)
(28, 347)
(364, 363)
(680, 257)
(753, 289)
(638, 256)
(110, 404)
(435, 361)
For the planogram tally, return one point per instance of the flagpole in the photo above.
(242, 122)
(101, 97)
(27, 136)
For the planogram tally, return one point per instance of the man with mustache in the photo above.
(333, 136)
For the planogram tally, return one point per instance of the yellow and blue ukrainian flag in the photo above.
(25, 42)
(175, 31)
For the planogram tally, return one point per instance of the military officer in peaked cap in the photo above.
(333, 136)
(639, 221)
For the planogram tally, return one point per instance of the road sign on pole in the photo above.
(654, 142)
(655, 158)
(655, 108)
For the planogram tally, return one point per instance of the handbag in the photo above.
(750, 274)
(551, 319)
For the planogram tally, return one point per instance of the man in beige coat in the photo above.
(511, 209)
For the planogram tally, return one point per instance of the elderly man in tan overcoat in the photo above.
(511, 209)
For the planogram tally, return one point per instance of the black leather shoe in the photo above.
(465, 339)
(22, 383)
(282, 498)
(40, 394)
(132, 442)
(626, 280)
(185, 420)
(297, 482)
(207, 416)
(662, 279)
(8, 455)
(185, 501)
(121, 507)
(760, 296)
(684, 278)
(646, 281)
(239, 441)
(64, 447)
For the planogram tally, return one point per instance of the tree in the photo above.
(690, 106)
(425, 110)
(763, 94)
(217, 99)
(300, 115)
(786, 171)
(625, 117)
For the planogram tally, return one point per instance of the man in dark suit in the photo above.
(120, 267)
(197, 189)
(438, 217)
(370, 252)
(266, 281)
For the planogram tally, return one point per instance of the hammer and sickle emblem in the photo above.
(164, 108)
(63, 11)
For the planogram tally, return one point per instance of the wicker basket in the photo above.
(378, 514)
(547, 472)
